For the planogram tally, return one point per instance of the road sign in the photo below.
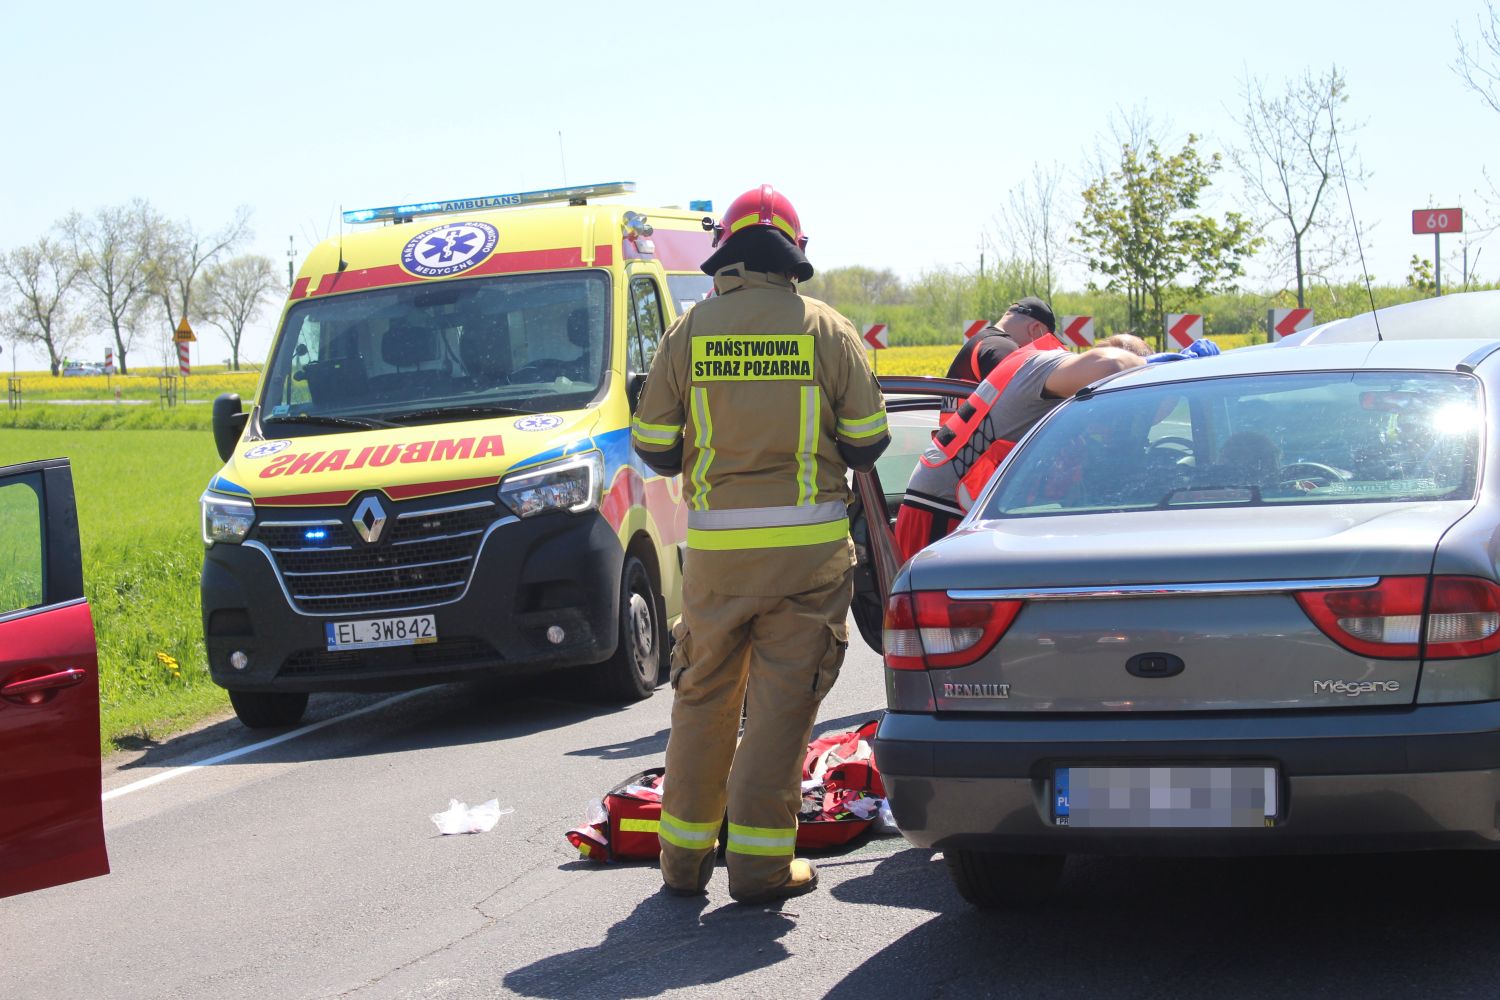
(1429, 221)
(875, 336)
(973, 326)
(184, 363)
(1184, 328)
(184, 334)
(1285, 322)
(1078, 330)
(109, 361)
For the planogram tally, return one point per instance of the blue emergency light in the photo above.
(315, 534)
(571, 195)
(700, 206)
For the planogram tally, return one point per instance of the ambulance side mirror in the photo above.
(228, 422)
(633, 386)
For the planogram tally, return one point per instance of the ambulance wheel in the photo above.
(991, 880)
(631, 674)
(268, 709)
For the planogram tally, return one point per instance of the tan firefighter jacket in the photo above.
(763, 400)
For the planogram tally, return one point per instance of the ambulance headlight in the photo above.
(225, 520)
(572, 484)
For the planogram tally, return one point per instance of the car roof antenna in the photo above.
(344, 264)
(1358, 242)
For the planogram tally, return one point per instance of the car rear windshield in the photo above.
(524, 342)
(1277, 439)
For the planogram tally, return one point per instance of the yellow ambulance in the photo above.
(435, 481)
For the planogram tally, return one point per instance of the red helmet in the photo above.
(762, 206)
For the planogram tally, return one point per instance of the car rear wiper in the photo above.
(321, 420)
(464, 410)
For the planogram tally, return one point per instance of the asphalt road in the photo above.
(310, 869)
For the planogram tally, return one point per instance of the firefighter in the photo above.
(764, 400)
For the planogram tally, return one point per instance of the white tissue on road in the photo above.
(460, 818)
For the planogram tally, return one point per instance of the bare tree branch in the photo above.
(41, 274)
(233, 292)
(1478, 63)
(1291, 172)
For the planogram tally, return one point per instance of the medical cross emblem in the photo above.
(455, 241)
(450, 249)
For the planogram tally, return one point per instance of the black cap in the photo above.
(1037, 310)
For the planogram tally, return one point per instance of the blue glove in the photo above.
(1197, 349)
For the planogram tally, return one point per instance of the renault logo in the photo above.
(369, 519)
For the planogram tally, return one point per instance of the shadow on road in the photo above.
(442, 715)
(665, 943)
(1357, 926)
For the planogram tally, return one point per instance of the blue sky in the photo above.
(896, 128)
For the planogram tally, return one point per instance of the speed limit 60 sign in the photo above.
(1437, 220)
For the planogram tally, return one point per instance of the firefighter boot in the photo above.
(803, 879)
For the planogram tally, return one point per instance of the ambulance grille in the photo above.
(423, 558)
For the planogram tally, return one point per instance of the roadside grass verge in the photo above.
(52, 416)
(137, 493)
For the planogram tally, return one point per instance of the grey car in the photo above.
(1236, 605)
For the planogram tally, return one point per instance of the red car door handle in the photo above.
(32, 690)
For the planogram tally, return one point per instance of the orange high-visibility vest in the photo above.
(953, 438)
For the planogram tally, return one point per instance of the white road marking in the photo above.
(177, 772)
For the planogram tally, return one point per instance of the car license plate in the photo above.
(1177, 797)
(375, 632)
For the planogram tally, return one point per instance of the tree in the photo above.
(42, 274)
(1032, 230)
(1139, 230)
(233, 292)
(1291, 169)
(111, 251)
(1478, 62)
(178, 255)
(856, 286)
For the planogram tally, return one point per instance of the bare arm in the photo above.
(1081, 369)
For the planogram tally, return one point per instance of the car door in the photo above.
(51, 819)
(914, 405)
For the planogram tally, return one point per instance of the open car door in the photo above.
(914, 404)
(51, 819)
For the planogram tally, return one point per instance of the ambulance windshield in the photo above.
(443, 350)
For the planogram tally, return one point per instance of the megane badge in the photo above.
(369, 519)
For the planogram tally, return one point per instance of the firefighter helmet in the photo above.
(762, 206)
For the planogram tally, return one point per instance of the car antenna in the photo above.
(343, 264)
(1358, 242)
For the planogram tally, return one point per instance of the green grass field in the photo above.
(138, 513)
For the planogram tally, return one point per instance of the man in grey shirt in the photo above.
(934, 500)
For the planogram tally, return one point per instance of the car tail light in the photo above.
(928, 629)
(1463, 618)
(1393, 619)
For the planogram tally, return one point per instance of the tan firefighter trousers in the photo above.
(785, 652)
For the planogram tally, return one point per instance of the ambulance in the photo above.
(435, 481)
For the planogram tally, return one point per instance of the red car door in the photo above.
(51, 820)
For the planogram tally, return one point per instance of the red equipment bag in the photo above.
(839, 808)
(634, 808)
(851, 786)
